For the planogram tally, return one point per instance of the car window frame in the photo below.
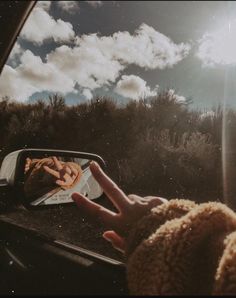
(11, 38)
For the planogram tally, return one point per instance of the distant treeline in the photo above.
(152, 147)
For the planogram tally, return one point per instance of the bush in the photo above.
(155, 146)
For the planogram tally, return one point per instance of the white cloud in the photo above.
(207, 52)
(45, 5)
(41, 26)
(147, 48)
(16, 51)
(87, 93)
(69, 6)
(95, 4)
(218, 47)
(87, 65)
(33, 75)
(176, 97)
(14, 86)
(97, 61)
(134, 87)
(94, 62)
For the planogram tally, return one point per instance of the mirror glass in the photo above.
(52, 180)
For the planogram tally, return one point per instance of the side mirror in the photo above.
(42, 177)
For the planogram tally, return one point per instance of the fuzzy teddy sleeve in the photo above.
(177, 249)
(157, 217)
(225, 279)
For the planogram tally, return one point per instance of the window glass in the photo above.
(148, 85)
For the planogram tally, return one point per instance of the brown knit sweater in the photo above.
(182, 248)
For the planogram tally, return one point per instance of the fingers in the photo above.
(64, 175)
(135, 198)
(116, 240)
(62, 183)
(74, 171)
(155, 201)
(68, 170)
(27, 164)
(95, 211)
(57, 163)
(52, 172)
(148, 200)
(71, 171)
(114, 193)
(28, 161)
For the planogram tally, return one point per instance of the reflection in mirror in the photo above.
(52, 180)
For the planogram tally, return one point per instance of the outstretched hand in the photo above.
(130, 208)
(65, 175)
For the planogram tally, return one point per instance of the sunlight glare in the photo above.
(219, 47)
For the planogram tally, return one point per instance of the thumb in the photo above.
(116, 240)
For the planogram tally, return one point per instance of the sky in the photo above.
(126, 50)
